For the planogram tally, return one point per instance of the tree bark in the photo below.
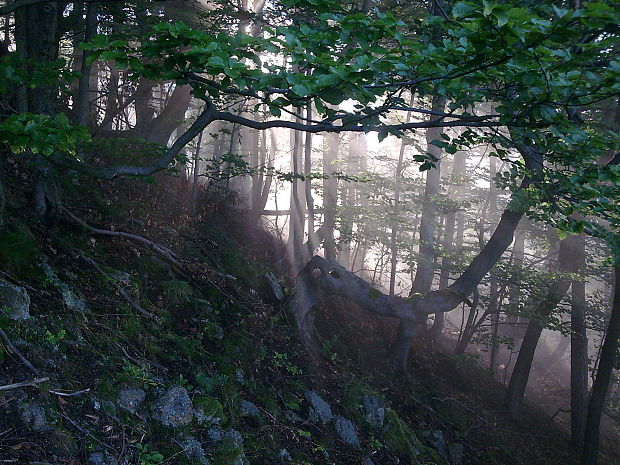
(330, 193)
(83, 106)
(425, 269)
(544, 307)
(600, 387)
(578, 346)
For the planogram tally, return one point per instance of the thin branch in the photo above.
(69, 394)
(161, 250)
(33, 383)
(18, 353)
(133, 303)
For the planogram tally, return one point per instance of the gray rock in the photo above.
(346, 431)
(193, 449)
(285, 456)
(231, 439)
(367, 461)
(174, 408)
(455, 453)
(217, 332)
(15, 299)
(271, 291)
(437, 440)
(320, 410)
(101, 458)
(204, 419)
(131, 399)
(71, 300)
(249, 409)
(33, 415)
(374, 412)
(293, 417)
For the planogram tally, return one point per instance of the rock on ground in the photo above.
(174, 408)
(193, 449)
(101, 458)
(33, 415)
(320, 410)
(437, 440)
(346, 431)
(15, 299)
(131, 399)
(455, 453)
(375, 412)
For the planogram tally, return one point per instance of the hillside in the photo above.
(139, 361)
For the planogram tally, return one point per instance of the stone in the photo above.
(437, 441)
(193, 449)
(174, 408)
(320, 410)
(367, 461)
(15, 300)
(271, 291)
(231, 439)
(374, 412)
(71, 300)
(131, 399)
(346, 431)
(285, 456)
(455, 453)
(205, 419)
(33, 415)
(101, 458)
(249, 409)
(293, 417)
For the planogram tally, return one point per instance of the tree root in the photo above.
(19, 355)
(132, 302)
(164, 252)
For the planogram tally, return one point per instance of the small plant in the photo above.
(148, 455)
(280, 360)
(54, 339)
(139, 374)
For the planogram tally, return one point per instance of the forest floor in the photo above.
(211, 331)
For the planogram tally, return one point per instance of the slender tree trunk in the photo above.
(196, 173)
(600, 387)
(578, 346)
(330, 193)
(396, 211)
(523, 365)
(83, 109)
(308, 186)
(426, 258)
(458, 168)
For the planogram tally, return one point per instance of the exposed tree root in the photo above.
(160, 250)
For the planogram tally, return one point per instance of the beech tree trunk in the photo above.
(330, 193)
(544, 307)
(578, 346)
(425, 269)
(600, 387)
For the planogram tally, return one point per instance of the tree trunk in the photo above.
(426, 257)
(36, 33)
(308, 187)
(578, 346)
(330, 193)
(606, 365)
(196, 174)
(396, 211)
(83, 107)
(458, 169)
(521, 371)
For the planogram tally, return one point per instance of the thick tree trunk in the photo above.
(36, 32)
(544, 307)
(600, 387)
(196, 174)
